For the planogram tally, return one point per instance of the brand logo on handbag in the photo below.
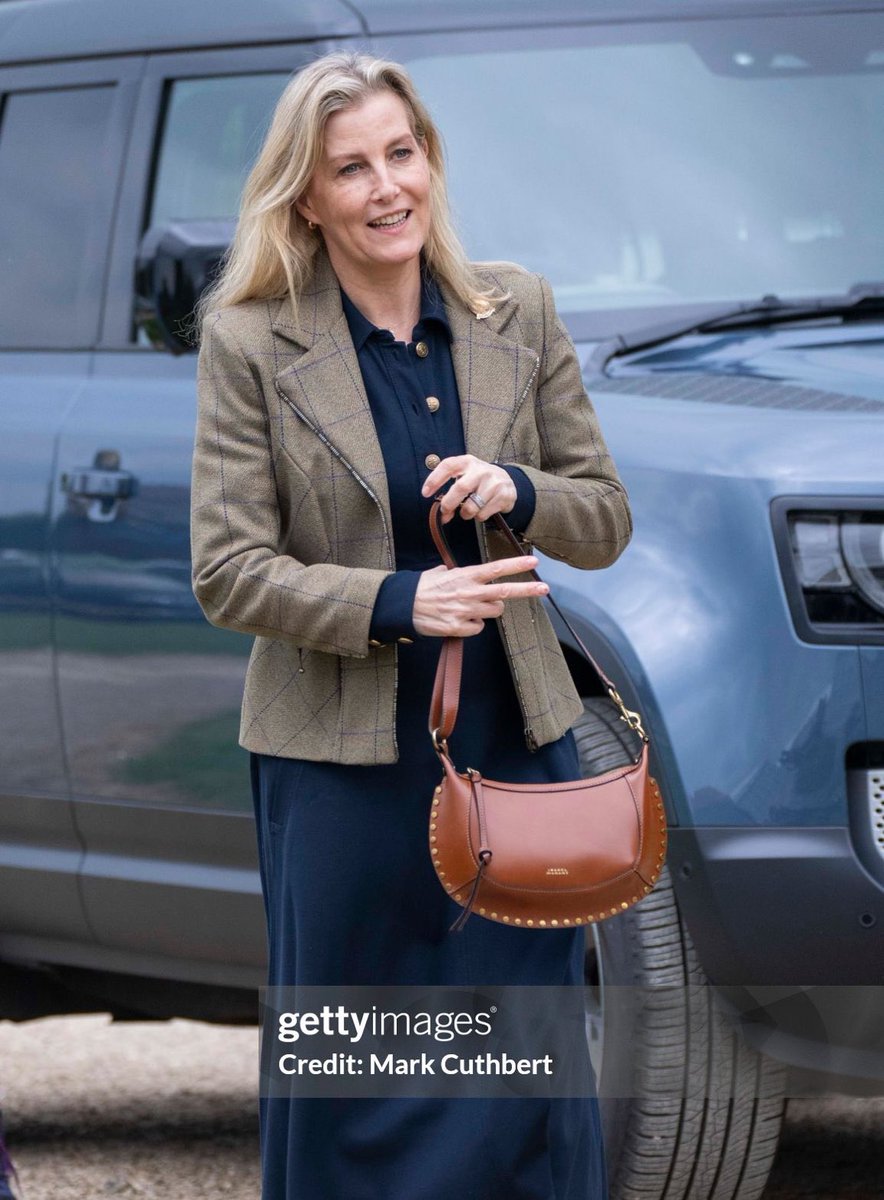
(557, 870)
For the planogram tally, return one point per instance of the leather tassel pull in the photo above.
(457, 926)
(484, 856)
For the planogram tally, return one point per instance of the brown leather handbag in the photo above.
(540, 855)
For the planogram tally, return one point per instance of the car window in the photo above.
(54, 181)
(210, 136)
(691, 162)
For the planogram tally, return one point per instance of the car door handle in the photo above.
(103, 485)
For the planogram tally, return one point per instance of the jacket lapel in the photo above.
(324, 384)
(493, 374)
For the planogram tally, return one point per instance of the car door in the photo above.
(62, 130)
(62, 139)
(149, 691)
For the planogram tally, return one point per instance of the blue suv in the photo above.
(702, 184)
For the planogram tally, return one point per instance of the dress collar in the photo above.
(432, 309)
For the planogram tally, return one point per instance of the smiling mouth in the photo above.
(393, 221)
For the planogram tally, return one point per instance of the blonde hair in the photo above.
(273, 247)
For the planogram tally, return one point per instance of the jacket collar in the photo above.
(320, 309)
(323, 383)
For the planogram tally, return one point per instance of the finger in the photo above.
(447, 469)
(471, 511)
(496, 567)
(458, 495)
(495, 489)
(513, 591)
(450, 500)
(467, 627)
(490, 608)
(489, 482)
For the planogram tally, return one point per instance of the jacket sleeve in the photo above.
(393, 615)
(239, 576)
(581, 508)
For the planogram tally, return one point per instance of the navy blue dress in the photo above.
(351, 894)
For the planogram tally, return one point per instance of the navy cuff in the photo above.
(393, 613)
(519, 516)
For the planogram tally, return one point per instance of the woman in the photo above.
(353, 365)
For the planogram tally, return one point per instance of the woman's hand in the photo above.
(456, 601)
(491, 483)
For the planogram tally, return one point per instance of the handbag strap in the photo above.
(446, 688)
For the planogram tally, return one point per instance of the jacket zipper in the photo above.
(350, 468)
(518, 403)
(389, 542)
(530, 739)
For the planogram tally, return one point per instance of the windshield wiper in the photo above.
(857, 302)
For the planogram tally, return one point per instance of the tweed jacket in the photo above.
(290, 512)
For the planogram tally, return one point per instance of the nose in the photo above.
(385, 186)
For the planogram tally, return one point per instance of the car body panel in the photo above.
(843, 361)
(701, 584)
(53, 29)
(58, 30)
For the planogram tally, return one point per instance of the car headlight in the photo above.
(862, 543)
(832, 556)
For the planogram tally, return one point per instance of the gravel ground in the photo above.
(168, 1110)
(149, 1109)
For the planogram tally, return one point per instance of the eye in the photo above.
(402, 152)
(349, 169)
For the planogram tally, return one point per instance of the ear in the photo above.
(305, 209)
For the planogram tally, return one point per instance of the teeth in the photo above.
(395, 219)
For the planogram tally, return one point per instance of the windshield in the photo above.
(643, 167)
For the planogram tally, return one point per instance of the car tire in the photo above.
(689, 1111)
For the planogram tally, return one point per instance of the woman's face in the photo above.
(370, 194)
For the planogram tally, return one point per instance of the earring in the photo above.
(310, 226)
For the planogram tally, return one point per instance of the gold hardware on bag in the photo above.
(632, 719)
